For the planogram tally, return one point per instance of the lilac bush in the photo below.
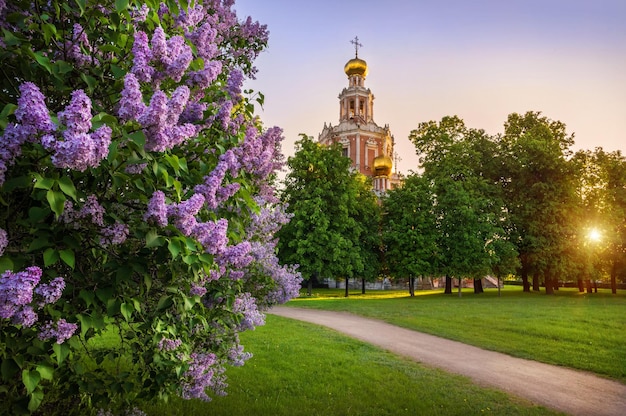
(140, 211)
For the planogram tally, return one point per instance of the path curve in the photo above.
(574, 392)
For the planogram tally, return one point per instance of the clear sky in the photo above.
(478, 59)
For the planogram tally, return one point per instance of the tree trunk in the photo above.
(412, 286)
(536, 286)
(363, 285)
(478, 286)
(588, 281)
(309, 287)
(581, 285)
(347, 283)
(555, 283)
(525, 279)
(547, 278)
(460, 284)
(448, 290)
(614, 277)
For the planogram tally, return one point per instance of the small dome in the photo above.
(356, 66)
(382, 165)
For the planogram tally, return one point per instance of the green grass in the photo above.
(583, 331)
(304, 369)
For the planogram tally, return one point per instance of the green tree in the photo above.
(468, 207)
(540, 193)
(334, 225)
(409, 230)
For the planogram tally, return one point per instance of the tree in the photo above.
(138, 205)
(468, 207)
(539, 187)
(332, 213)
(409, 230)
(601, 193)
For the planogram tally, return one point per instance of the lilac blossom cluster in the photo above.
(167, 344)
(78, 149)
(93, 211)
(33, 118)
(250, 316)
(73, 50)
(17, 292)
(204, 372)
(61, 330)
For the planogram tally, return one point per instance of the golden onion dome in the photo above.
(356, 66)
(382, 165)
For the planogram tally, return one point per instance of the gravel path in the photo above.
(570, 391)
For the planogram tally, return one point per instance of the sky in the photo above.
(478, 59)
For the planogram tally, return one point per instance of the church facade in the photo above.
(369, 146)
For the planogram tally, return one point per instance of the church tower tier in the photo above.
(369, 146)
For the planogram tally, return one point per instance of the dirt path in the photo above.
(570, 391)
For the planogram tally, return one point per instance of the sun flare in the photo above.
(594, 235)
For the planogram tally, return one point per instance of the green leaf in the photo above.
(127, 310)
(174, 248)
(45, 371)
(164, 303)
(43, 183)
(85, 323)
(35, 400)
(50, 257)
(42, 60)
(31, 379)
(67, 186)
(88, 297)
(5, 264)
(68, 257)
(153, 239)
(121, 5)
(61, 351)
(81, 5)
(56, 200)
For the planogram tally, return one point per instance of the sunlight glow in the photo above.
(594, 235)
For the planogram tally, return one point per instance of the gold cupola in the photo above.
(356, 66)
(382, 165)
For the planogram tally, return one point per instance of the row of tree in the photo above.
(519, 203)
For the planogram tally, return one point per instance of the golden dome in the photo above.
(356, 66)
(382, 165)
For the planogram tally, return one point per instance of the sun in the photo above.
(594, 235)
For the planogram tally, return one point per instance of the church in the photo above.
(369, 146)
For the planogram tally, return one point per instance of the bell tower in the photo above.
(369, 146)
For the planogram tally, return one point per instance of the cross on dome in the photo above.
(357, 45)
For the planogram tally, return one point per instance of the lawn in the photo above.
(304, 369)
(583, 331)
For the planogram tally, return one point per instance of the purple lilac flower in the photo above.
(163, 10)
(61, 330)
(50, 292)
(25, 316)
(141, 58)
(159, 46)
(131, 103)
(251, 317)
(237, 256)
(235, 81)
(114, 234)
(212, 235)
(237, 357)
(31, 109)
(157, 209)
(77, 115)
(93, 209)
(203, 38)
(4, 241)
(204, 373)
(16, 290)
(167, 344)
(135, 168)
(203, 78)
(185, 213)
(140, 15)
(78, 149)
(197, 290)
